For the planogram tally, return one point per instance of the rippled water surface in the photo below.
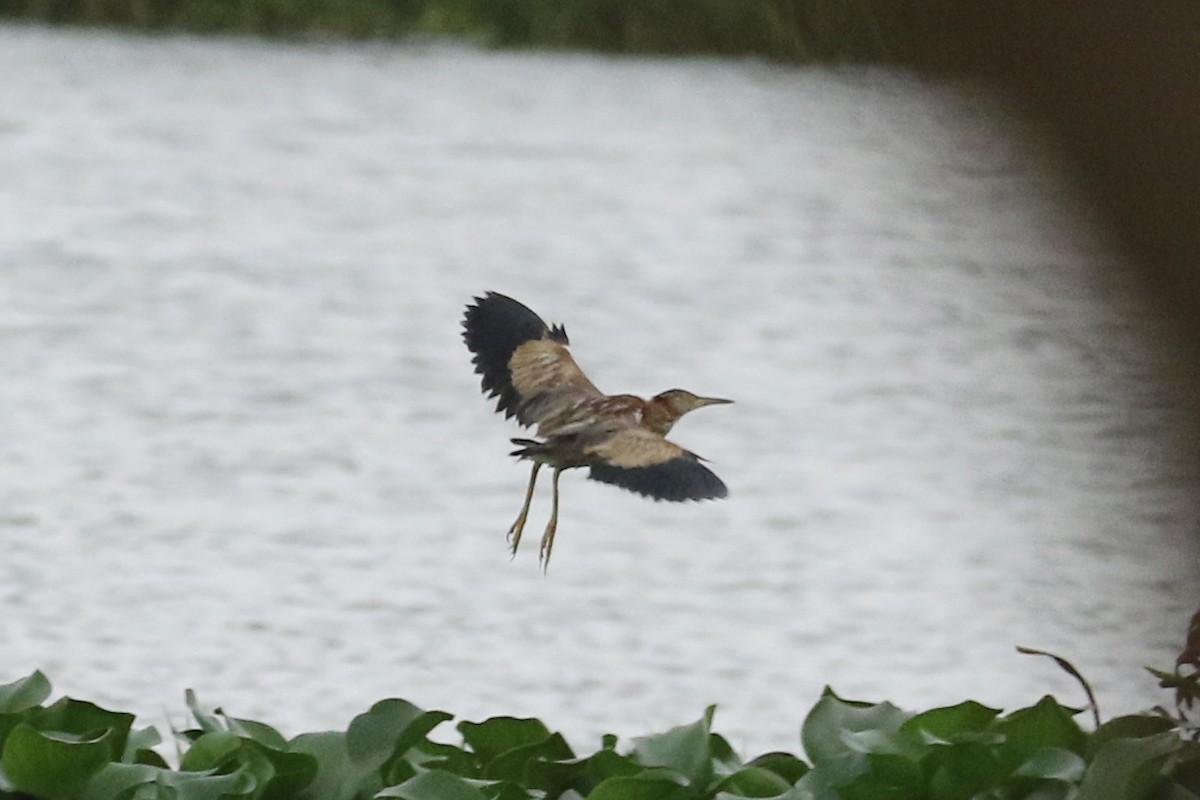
(242, 449)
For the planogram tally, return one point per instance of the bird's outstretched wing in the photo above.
(523, 361)
(644, 462)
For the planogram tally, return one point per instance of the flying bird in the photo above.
(620, 438)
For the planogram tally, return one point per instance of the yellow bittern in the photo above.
(526, 364)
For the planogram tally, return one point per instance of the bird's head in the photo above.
(674, 403)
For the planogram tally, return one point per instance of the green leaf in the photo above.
(1053, 763)
(829, 729)
(337, 776)
(438, 755)
(1173, 791)
(649, 785)
(1048, 790)
(581, 774)
(210, 751)
(277, 774)
(54, 765)
(435, 785)
(492, 737)
(208, 723)
(387, 730)
(1184, 767)
(25, 693)
(964, 770)
(1045, 724)
(684, 749)
(813, 786)
(785, 765)
(206, 786)
(1127, 769)
(83, 719)
(512, 766)
(725, 760)
(118, 780)
(947, 723)
(257, 731)
(1133, 726)
(139, 747)
(293, 772)
(753, 782)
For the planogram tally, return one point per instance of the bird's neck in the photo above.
(659, 416)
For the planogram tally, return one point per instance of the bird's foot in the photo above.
(513, 537)
(547, 546)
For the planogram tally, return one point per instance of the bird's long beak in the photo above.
(711, 401)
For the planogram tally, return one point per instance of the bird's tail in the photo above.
(529, 448)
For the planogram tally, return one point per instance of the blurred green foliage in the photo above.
(75, 750)
(790, 30)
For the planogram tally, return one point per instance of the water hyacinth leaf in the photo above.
(1128, 769)
(82, 718)
(785, 765)
(208, 722)
(814, 786)
(436, 785)
(900, 772)
(873, 741)
(278, 774)
(293, 773)
(498, 735)
(118, 780)
(53, 765)
(579, 774)
(809, 789)
(24, 693)
(752, 782)
(205, 785)
(1184, 766)
(1173, 791)
(826, 728)
(1049, 790)
(648, 785)
(1134, 726)
(1045, 724)
(1053, 763)
(513, 765)
(252, 729)
(438, 755)
(139, 747)
(964, 769)
(389, 728)
(724, 759)
(684, 749)
(210, 751)
(337, 776)
(946, 723)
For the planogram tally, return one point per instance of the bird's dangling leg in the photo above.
(514, 533)
(551, 526)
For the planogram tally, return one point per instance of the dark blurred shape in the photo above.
(1120, 84)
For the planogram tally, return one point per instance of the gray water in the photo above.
(242, 448)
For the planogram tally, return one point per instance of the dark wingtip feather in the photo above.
(675, 480)
(493, 327)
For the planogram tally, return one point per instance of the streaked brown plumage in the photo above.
(620, 438)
